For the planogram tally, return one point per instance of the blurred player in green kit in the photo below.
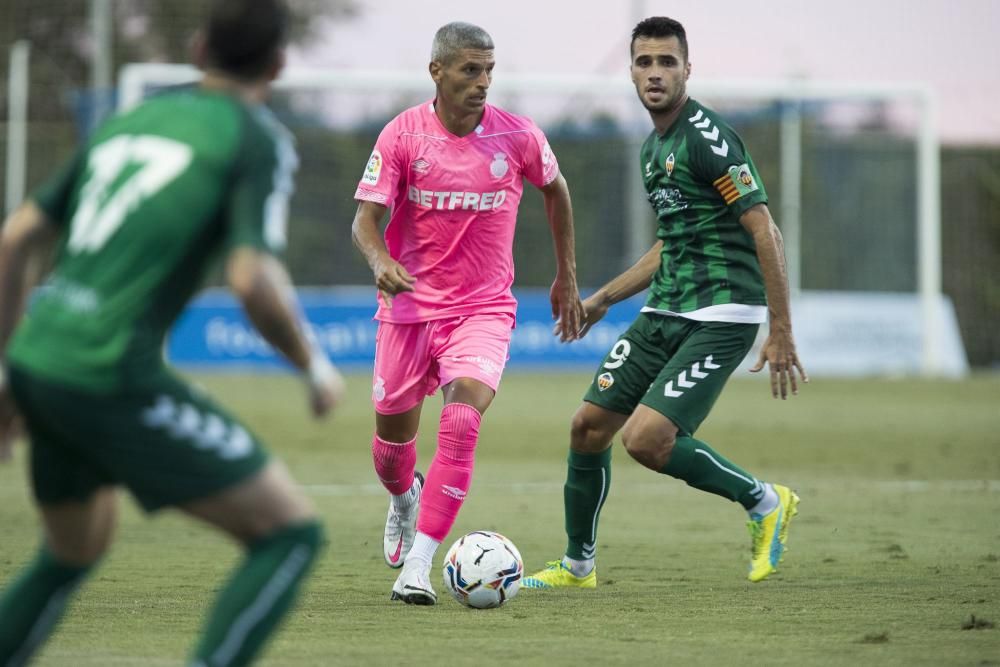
(146, 206)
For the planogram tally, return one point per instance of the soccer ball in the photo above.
(483, 569)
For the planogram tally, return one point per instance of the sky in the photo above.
(949, 45)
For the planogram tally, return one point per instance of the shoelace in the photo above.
(402, 515)
(423, 578)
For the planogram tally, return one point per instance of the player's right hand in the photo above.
(326, 386)
(595, 307)
(391, 278)
(779, 355)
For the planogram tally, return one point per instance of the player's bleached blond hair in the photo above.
(455, 36)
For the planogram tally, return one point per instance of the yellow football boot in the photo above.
(557, 575)
(770, 533)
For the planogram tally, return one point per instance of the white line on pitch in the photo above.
(539, 488)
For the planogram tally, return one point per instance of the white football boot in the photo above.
(413, 585)
(401, 528)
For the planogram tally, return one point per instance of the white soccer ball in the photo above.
(483, 569)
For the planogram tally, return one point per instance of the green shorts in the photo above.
(674, 365)
(166, 441)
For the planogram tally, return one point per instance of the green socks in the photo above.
(246, 612)
(257, 596)
(700, 466)
(588, 478)
(32, 605)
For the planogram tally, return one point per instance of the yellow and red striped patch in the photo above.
(724, 184)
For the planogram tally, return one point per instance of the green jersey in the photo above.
(700, 180)
(145, 206)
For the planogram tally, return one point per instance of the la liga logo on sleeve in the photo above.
(373, 169)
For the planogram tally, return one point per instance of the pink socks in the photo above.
(394, 464)
(450, 473)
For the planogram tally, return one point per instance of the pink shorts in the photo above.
(413, 360)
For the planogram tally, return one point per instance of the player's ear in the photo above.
(277, 65)
(687, 70)
(435, 69)
(198, 50)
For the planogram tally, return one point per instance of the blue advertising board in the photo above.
(852, 334)
(213, 333)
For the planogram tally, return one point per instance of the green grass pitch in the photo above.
(893, 560)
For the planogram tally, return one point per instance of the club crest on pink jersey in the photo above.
(499, 165)
(546, 154)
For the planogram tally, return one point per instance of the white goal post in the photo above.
(135, 78)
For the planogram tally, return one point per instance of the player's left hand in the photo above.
(778, 352)
(327, 388)
(10, 422)
(567, 310)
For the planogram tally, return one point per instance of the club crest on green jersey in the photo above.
(743, 177)
(604, 381)
(669, 165)
(735, 183)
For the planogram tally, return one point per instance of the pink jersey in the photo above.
(453, 204)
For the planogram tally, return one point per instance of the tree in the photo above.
(144, 31)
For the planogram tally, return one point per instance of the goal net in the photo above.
(852, 172)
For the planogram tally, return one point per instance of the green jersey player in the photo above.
(715, 273)
(136, 217)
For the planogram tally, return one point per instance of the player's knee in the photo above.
(308, 535)
(78, 554)
(300, 512)
(81, 545)
(469, 392)
(587, 434)
(311, 533)
(579, 430)
(650, 447)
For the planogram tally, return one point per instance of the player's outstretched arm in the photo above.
(391, 277)
(25, 241)
(778, 351)
(262, 285)
(630, 282)
(564, 295)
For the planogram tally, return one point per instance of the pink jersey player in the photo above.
(451, 172)
(454, 204)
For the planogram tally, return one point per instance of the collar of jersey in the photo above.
(480, 129)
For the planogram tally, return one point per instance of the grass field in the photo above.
(895, 552)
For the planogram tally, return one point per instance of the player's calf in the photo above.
(32, 605)
(258, 595)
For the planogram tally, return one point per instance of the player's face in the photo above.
(462, 83)
(659, 72)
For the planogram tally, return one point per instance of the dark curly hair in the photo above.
(243, 37)
(660, 27)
